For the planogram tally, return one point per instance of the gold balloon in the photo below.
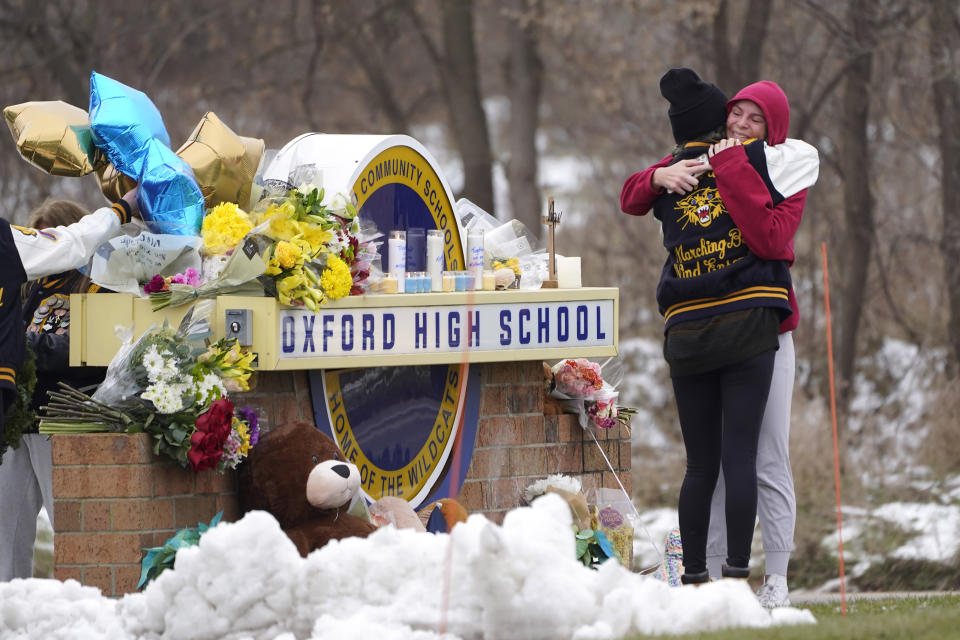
(114, 184)
(53, 136)
(223, 163)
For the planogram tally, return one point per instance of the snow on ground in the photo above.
(521, 580)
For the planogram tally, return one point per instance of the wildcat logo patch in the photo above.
(701, 207)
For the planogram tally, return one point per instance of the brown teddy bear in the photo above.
(298, 474)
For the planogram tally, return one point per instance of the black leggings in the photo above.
(720, 415)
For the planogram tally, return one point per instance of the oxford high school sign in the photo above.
(481, 327)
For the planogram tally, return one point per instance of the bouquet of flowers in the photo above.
(577, 378)
(314, 250)
(580, 385)
(172, 385)
(238, 263)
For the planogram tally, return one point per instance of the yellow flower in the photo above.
(223, 228)
(287, 254)
(292, 282)
(284, 209)
(336, 280)
(243, 432)
(316, 236)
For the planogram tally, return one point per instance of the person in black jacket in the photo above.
(55, 239)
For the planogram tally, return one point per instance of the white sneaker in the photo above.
(773, 592)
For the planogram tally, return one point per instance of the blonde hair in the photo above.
(59, 213)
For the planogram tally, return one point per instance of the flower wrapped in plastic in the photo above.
(580, 386)
(315, 250)
(239, 276)
(173, 385)
(578, 378)
(603, 410)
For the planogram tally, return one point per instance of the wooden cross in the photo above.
(552, 219)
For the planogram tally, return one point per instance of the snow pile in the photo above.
(521, 580)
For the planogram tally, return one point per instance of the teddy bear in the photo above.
(298, 474)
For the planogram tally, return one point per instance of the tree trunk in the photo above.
(462, 87)
(854, 155)
(944, 48)
(525, 73)
(736, 69)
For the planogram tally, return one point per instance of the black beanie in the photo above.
(696, 107)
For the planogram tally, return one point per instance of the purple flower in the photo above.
(250, 417)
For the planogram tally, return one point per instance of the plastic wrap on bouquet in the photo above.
(53, 136)
(123, 262)
(123, 121)
(170, 199)
(223, 163)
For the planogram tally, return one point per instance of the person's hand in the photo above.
(726, 143)
(680, 177)
(130, 197)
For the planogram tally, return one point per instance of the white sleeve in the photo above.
(793, 166)
(58, 249)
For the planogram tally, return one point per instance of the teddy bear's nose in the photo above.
(341, 470)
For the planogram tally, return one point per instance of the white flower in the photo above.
(209, 384)
(170, 371)
(337, 203)
(557, 481)
(167, 398)
(153, 363)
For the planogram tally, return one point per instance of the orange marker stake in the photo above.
(833, 418)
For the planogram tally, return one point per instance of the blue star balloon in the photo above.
(169, 196)
(123, 121)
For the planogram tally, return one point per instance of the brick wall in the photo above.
(517, 444)
(113, 497)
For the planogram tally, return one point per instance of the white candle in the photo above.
(435, 258)
(475, 259)
(397, 256)
(568, 272)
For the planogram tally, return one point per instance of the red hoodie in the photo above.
(767, 230)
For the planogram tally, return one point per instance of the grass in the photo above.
(917, 618)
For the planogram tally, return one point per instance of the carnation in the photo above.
(336, 280)
(223, 228)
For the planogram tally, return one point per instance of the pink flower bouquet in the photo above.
(578, 378)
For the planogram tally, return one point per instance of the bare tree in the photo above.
(524, 78)
(738, 56)
(858, 208)
(944, 51)
(456, 62)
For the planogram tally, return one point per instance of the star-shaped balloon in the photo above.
(114, 184)
(123, 121)
(169, 195)
(223, 162)
(54, 136)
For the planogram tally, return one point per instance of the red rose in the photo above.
(213, 429)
